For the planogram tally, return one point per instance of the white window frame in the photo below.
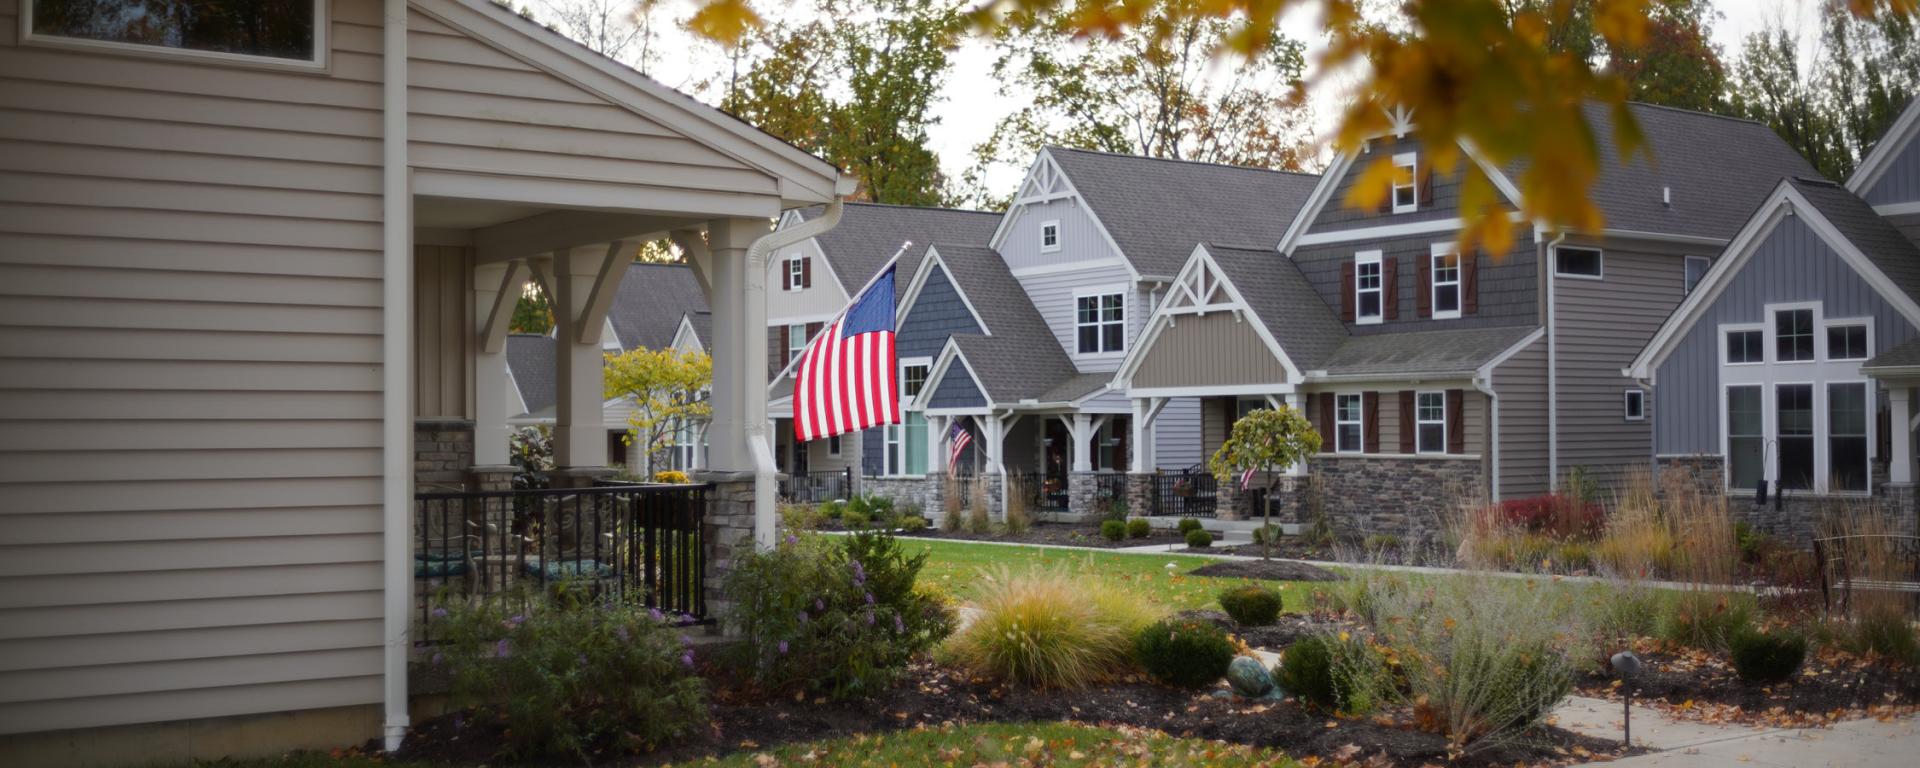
(322, 26)
(1826, 348)
(1599, 261)
(1050, 227)
(1434, 284)
(1361, 259)
(1686, 265)
(1419, 422)
(894, 436)
(1732, 328)
(1359, 422)
(796, 272)
(1100, 292)
(833, 445)
(1411, 162)
(1817, 373)
(1628, 398)
(796, 344)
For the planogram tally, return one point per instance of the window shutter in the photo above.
(1469, 284)
(1390, 293)
(1370, 422)
(786, 347)
(1326, 421)
(1426, 188)
(813, 329)
(1346, 290)
(1424, 267)
(1456, 426)
(1407, 423)
(786, 276)
(806, 272)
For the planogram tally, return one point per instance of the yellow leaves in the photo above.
(724, 21)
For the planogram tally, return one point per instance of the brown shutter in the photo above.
(806, 271)
(1426, 189)
(1346, 290)
(1469, 284)
(1370, 422)
(786, 276)
(1407, 425)
(813, 329)
(1423, 277)
(1456, 426)
(1326, 421)
(786, 347)
(1390, 292)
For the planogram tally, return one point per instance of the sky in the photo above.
(971, 103)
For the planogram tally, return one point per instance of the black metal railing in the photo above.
(1110, 488)
(640, 542)
(816, 487)
(1040, 494)
(1187, 494)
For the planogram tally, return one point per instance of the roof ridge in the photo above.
(1815, 180)
(1693, 112)
(1205, 163)
(941, 208)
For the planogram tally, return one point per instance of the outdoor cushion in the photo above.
(439, 565)
(554, 570)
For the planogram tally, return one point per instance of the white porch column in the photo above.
(579, 431)
(1900, 406)
(737, 384)
(993, 432)
(1080, 432)
(496, 287)
(937, 427)
(1145, 410)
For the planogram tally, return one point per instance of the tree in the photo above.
(1677, 65)
(1872, 73)
(623, 30)
(532, 312)
(1154, 90)
(667, 388)
(1265, 440)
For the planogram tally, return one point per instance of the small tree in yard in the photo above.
(666, 386)
(1263, 441)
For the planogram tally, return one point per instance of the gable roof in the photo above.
(1903, 131)
(1019, 358)
(1889, 250)
(1156, 210)
(530, 359)
(870, 233)
(1284, 301)
(1451, 352)
(651, 300)
(702, 324)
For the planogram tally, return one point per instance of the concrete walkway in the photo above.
(1854, 744)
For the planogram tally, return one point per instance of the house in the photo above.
(1794, 362)
(1437, 377)
(250, 292)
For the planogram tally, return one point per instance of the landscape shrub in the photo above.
(978, 521)
(838, 618)
(802, 517)
(912, 523)
(1019, 519)
(1883, 630)
(833, 510)
(572, 677)
(1556, 514)
(1199, 537)
(1251, 605)
(1186, 653)
(855, 519)
(1704, 619)
(1307, 671)
(1188, 524)
(1380, 542)
(1113, 530)
(1048, 629)
(1267, 533)
(1139, 529)
(1334, 674)
(1767, 657)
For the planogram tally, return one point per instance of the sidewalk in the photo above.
(1858, 743)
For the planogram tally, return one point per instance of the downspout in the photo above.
(1485, 385)
(755, 354)
(396, 348)
(1553, 367)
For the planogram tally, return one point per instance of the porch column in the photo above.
(1080, 433)
(1900, 406)
(993, 432)
(1145, 410)
(739, 346)
(496, 288)
(936, 445)
(579, 431)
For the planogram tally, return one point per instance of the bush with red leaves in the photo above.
(1554, 514)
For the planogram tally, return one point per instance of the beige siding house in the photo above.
(229, 326)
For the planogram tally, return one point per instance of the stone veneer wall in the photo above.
(728, 530)
(923, 492)
(1796, 519)
(1404, 497)
(442, 452)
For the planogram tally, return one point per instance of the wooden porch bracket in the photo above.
(699, 256)
(493, 330)
(606, 281)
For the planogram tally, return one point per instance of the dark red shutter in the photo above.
(786, 276)
(1426, 189)
(1469, 284)
(1390, 294)
(786, 346)
(806, 272)
(1346, 291)
(1326, 421)
(1423, 266)
(1370, 422)
(1407, 424)
(1456, 426)
(813, 329)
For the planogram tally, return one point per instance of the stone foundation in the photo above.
(1705, 473)
(442, 452)
(1795, 519)
(498, 478)
(1139, 494)
(920, 492)
(728, 530)
(1409, 498)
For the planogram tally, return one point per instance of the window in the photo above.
(1368, 288)
(1430, 418)
(1406, 188)
(1793, 417)
(1746, 437)
(1347, 419)
(1446, 284)
(1100, 323)
(275, 31)
(833, 445)
(1246, 405)
(1793, 335)
(796, 273)
(1847, 436)
(796, 341)
(1633, 405)
(1049, 236)
(1847, 341)
(906, 442)
(1110, 445)
(1696, 268)
(1577, 262)
(1745, 347)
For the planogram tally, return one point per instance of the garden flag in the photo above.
(957, 440)
(845, 382)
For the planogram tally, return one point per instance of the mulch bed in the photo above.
(1704, 687)
(932, 695)
(1270, 570)
(1069, 534)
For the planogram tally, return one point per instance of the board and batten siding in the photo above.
(1790, 264)
(443, 345)
(1900, 182)
(1217, 349)
(190, 293)
(1521, 384)
(1599, 327)
(1081, 238)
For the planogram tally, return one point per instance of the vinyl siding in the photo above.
(816, 304)
(1521, 383)
(189, 265)
(1081, 239)
(1791, 263)
(443, 343)
(1473, 414)
(956, 389)
(1053, 296)
(1176, 435)
(937, 313)
(1908, 224)
(1508, 284)
(1219, 349)
(1600, 326)
(1444, 203)
(1900, 182)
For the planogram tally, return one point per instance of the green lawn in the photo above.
(1049, 744)
(955, 567)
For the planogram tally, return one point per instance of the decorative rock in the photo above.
(1249, 678)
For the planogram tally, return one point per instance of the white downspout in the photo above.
(1485, 385)
(396, 482)
(755, 352)
(1553, 367)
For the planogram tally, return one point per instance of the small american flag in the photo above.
(957, 440)
(846, 380)
(1246, 478)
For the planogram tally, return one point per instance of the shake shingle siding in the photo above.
(1508, 284)
(939, 312)
(956, 390)
(1442, 203)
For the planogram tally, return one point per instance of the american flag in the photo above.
(957, 440)
(1246, 478)
(846, 378)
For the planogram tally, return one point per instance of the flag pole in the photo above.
(855, 299)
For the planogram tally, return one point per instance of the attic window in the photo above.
(1577, 262)
(1406, 191)
(286, 32)
(1049, 236)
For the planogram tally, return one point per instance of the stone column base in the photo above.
(491, 478)
(728, 531)
(1227, 500)
(1900, 500)
(1139, 494)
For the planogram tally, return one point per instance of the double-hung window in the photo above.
(1793, 420)
(796, 272)
(1746, 437)
(906, 442)
(1406, 185)
(1100, 321)
(1347, 420)
(1847, 415)
(1798, 413)
(1430, 419)
(796, 341)
(1446, 282)
(284, 33)
(1369, 287)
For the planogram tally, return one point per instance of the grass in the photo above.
(956, 568)
(1027, 744)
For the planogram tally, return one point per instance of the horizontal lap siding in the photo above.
(1521, 385)
(1053, 295)
(189, 384)
(1601, 325)
(1176, 434)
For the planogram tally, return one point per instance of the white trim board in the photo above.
(1044, 165)
(1875, 164)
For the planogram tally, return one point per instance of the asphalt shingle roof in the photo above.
(530, 358)
(1020, 359)
(1903, 355)
(702, 322)
(1157, 210)
(869, 233)
(1285, 302)
(651, 300)
(1885, 246)
(1458, 351)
